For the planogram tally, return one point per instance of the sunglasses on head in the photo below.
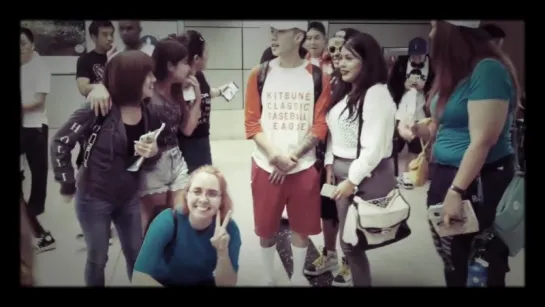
(334, 49)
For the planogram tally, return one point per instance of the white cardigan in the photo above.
(377, 133)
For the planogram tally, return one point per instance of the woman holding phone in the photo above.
(196, 146)
(164, 179)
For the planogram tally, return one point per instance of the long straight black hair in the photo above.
(373, 71)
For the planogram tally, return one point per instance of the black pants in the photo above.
(36, 227)
(455, 251)
(328, 205)
(196, 152)
(34, 146)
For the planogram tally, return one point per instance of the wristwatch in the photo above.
(457, 190)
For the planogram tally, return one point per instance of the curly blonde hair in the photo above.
(226, 203)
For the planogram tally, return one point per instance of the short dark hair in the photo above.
(97, 24)
(316, 25)
(124, 76)
(166, 51)
(28, 34)
(194, 43)
(493, 30)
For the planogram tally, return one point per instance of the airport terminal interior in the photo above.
(235, 47)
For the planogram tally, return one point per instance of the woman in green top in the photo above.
(475, 95)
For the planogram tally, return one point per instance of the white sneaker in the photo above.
(326, 262)
(405, 182)
(344, 277)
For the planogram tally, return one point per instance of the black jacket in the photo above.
(106, 176)
(396, 80)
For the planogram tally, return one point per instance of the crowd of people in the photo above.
(320, 111)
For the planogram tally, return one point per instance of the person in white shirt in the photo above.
(361, 122)
(35, 85)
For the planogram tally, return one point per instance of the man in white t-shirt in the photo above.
(35, 85)
(286, 123)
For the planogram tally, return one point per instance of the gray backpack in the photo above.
(509, 223)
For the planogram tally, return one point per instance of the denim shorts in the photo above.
(168, 174)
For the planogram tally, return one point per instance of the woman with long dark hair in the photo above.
(359, 160)
(196, 146)
(328, 260)
(106, 190)
(162, 184)
(475, 96)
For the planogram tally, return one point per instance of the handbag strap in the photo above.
(91, 139)
(394, 140)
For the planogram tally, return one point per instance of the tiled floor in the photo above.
(412, 262)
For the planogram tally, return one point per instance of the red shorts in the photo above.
(300, 193)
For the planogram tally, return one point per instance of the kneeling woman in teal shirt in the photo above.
(477, 94)
(198, 246)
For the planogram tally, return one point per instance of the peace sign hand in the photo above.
(220, 240)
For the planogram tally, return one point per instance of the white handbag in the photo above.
(382, 221)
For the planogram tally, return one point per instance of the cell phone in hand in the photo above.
(189, 94)
(468, 222)
(328, 190)
(229, 91)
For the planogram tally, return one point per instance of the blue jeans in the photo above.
(95, 217)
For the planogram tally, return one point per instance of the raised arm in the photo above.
(83, 76)
(194, 110)
(62, 144)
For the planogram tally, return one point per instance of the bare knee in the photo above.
(267, 242)
(299, 240)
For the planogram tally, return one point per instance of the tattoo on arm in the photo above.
(309, 142)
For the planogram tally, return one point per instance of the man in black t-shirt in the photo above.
(90, 67)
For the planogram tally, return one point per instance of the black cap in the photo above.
(418, 46)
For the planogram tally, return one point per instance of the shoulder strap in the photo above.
(263, 70)
(360, 126)
(317, 79)
(90, 139)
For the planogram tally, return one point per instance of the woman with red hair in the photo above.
(196, 243)
(474, 98)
